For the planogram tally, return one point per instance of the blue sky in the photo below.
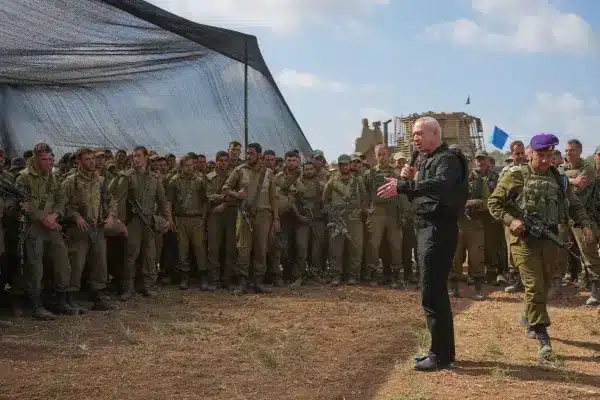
(528, 65)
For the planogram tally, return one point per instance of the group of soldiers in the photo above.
(242, 225)
(482, 235)
(99, 221)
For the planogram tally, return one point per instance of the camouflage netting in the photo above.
(120, 73)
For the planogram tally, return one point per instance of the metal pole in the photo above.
(245, 94)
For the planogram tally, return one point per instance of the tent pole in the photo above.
(246, 94)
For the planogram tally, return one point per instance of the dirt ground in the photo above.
(319, 343)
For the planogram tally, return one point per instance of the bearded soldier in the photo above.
(253, 185)
(385, 221)
(344, 197)
(538, 188)
(306, 203)
(85, 210)
(44, 211)
(283, 240)
(471, 236)
(582, 177)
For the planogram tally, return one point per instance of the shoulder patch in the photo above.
(516, 168)
(211, 175)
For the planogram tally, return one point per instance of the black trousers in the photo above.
(436, 245)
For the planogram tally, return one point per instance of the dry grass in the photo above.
(319, 343)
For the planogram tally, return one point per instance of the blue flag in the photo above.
(468, 100)
(499, 138)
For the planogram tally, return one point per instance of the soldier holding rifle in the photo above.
(139, 192)
(537, 189)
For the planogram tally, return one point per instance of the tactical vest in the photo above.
(476, 187)
(544, 195)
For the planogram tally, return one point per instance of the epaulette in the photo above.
(211, 175)
(515, 168)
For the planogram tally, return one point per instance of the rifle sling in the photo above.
(259, 184)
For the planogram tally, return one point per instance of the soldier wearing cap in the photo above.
(87, 213)
(385, 222)
(44, 211)
(537, 187)
(318, 159)
(582, 177)
(347, 195)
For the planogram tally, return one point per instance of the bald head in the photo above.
(427, 134)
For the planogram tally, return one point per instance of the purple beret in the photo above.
(543, 141)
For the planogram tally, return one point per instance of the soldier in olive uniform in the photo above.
(283, 241)
(306, 198)
(471, 237)
(517, 157)
(385, 221)
(235, 150)
(221, 222)
(537, 188)
(318, 160)
(139, 187)
(186, 196)
(582, 177)
(493, 230)
(344, 197)
(85, 213)
(45, 209)
(253, 184)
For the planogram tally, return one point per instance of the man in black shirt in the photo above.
(438, 194)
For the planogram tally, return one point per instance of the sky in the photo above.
(528, 66)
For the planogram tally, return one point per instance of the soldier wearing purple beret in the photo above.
(537, 187)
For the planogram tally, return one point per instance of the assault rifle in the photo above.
(537, 228)
(247, 213)
(337, 225)
(306, 212)
(137, 209)
(20, 195)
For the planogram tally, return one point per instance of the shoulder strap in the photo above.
(259, 183)
(44, 198)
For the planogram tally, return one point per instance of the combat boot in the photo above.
(594, 298)
(545, 348)
(79, 309)
(242, 287)
(260, 287)
(297, 284)
(102, 302)
(184, 282)
(37, 309)
(517, 287)
(479, 293)
(397, 281)
(453, 289)
(64, 305)
(352, 282)
(128, 291)
(212, 284)
(501, 280)
(149, 292)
